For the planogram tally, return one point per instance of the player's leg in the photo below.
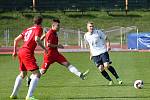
(19, 78)
(31, 65)
(43, 70)
(106, 59)
(47, 61)
(113, 71)
(63, 61)
(99, 63)
(45, 65)
(17, 84)
(34, 81)
(74, 70)
(105, 74)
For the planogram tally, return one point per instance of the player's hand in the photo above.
(46, 51)
(108, 48)
(60, 46)
(14, 54)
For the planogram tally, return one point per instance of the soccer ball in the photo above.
(138, 84)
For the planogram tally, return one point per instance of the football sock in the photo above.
(113, 71)
(17, 85)
(74, 70)
(31, 76)
(32, 86)
(105, 74)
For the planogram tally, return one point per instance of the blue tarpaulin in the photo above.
(139, 41)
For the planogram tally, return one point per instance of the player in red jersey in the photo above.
(27, 61)
(53, 55)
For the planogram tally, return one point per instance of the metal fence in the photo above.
(7, 36)
(72, 37)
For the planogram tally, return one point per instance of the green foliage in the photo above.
(59, 84)
(16, 22)
(77, 20)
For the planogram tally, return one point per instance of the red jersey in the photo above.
(29, 37)
(52, 38)
(53, 54)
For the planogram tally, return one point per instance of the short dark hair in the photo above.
(90, 22)
(56, 21)
(37, 19)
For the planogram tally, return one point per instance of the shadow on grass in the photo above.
(107, 97)
(59, 86)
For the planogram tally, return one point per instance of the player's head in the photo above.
(55, 24)
(90, 26)
(38, 20)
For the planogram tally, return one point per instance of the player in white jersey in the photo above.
(99, 45)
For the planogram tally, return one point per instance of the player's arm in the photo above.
(42, 37)
(16, 40)
(39, 42)
(108, 43)
(54, 45)
(87, 46)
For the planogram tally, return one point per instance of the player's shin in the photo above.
(17, 85)
(32, 86)
(74, 70)
(113, 71)
(105, 74)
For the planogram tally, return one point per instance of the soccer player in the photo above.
(99, 45)
(27, 61)
(54, 55)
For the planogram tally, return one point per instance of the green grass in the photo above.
(59, 84)
(76, 20)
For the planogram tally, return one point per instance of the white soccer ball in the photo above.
(138, 84)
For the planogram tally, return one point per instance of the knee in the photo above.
(106, 66)
(101, 68)
(43, 71)
(38, 75)
(23, 74)
(66, 64)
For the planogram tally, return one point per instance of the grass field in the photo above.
(76, 20)
(59, 84)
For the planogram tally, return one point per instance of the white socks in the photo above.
(33, 84)
(17, 85)
(74, 70)
(31, 76)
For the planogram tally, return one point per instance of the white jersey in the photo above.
(96, 41)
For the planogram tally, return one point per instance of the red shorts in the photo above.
(49, 59)
(27, 60)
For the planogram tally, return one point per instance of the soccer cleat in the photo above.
(28, 80)
(119, 81)
(13, 97)
(110, 83)
(31, 98)
(83, 75)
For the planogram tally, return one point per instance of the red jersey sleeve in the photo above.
(23, 33)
